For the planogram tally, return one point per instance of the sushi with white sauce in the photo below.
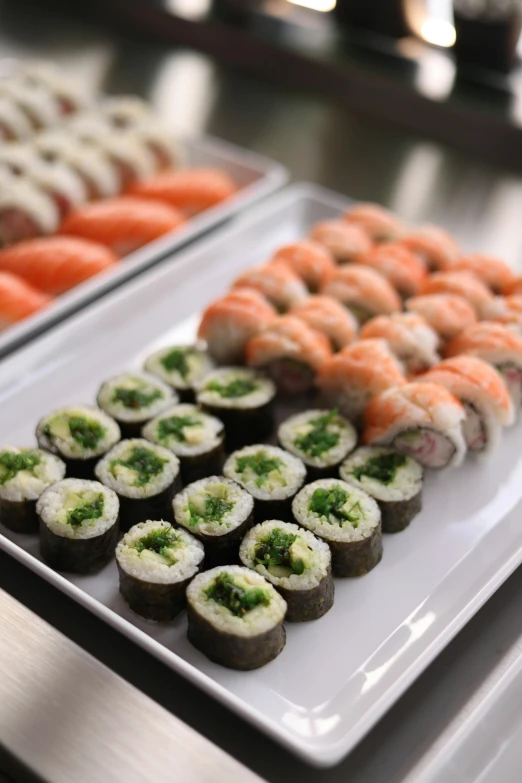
(25, 212)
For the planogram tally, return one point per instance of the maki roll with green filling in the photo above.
(79, 435)
(218, 512)
(235, 617)
(155, 564)
(321, 438)
(144, 476)
(296, 562)
(195, 437)
(24, 474)
(181, 366)
(271, 475)
(243, 400)
(392, 478)
(133, 398)
(78, 525)
(347, 518)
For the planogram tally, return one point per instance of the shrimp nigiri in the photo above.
(329, 317)
(492, 271)
(345, 241)
(379, 223)
(404, 269)
(56, 264)
(410, 338)
(462, 284)
(311, 261)
(513, 288)
(504, 310)
(190, 190)
(434, 245)
(18, 299)
(447, 314)
(363, 291)
(124, 224)
(422, 420)
(277, 282)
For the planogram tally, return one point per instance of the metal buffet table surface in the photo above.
(66, 717)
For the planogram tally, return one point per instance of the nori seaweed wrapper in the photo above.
(274, 509)
(356, 558)
(78, 555)
(223, 550)
(397, 515)
(134, 510)
(19, 515)
(160, 602)
(305, 605)
(244, 426)
(201, 466)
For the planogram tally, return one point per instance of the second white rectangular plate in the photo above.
(337, 676)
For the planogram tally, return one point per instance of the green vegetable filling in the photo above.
(319, 439)
(382, 468)
(174, 426)
(11, 464)
(177, 361)
(239, 387)
(236, 599)
(160, 541)
(135, 398)
(333, 502)
(260, 464)
(275, 551)
(213, 511)
(92, 509)
(143, 461)
(86, 432)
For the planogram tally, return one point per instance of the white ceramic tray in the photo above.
(336, 677)
(256, 176)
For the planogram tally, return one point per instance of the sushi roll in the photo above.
(310, 261)
(235, 617)
(402, 268)
(484, 397)
(493, 272)
(379, 223)
(183, 367)
(144, 476)
(271, 475)
(409, 337)
(24, 474)
(133, 398)
(243, 400)
(18, 300)
(78, 525)
(196, 439)
(39, 105)
(290, 352)
(125, 111)
(348, 519)
(277, 282)
(228, 323)
(435, 246)
(320, 438)
(393, 479)
(14, 123)
(463, 284)
(422, 420)
(363, 291)
(344, 241)
(504, 310)
(124, 224)
(79, 435)
(190, 190)
(219, 513)
(156, 563)
(328, 316)
(48, 77)
(498, 345)
(447, 314)
(25, 212)
(513, 287)
(350, 378)
(296, 562)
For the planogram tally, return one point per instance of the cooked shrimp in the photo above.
(329, 317)
(277, 282)
(379, 223)
(447, 314)
(345, 241)
(435, 246)
(402, 268)
(363, 291)
(311, 261)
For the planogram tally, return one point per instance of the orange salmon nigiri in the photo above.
(124, 224)
(365, 292)
(291, 352)
(343, 240)
(482, 392)
(409, 337)
(435, 246)
(462, 284)
(311, 261)
(56, 264)
(18, 299)
(190, 190)
(447, 314)
(504, 310)
(277, 282)
(352, 377)
(422, 420)
(228, 323)
(513, 288)
(379, 223)
(405, 270)
(492, 271)
(329, 317)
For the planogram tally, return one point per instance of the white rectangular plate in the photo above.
(337, 676)
(256, 177)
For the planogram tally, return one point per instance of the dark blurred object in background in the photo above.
(381, 16)
(236, 10)
(487, 33)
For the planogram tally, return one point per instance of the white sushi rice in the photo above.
(262, 394)
(29, 484)
(37, 102)
(255, 622)
(31, 201)
(329, 528)
(13, 119)
(66, 495)
(123, 480)
(406, 483)
(317, 555)
(278, 484)
(198, 362)
(196, 495)
(199, 438)
(53, 431)
(137, 381)
(300, 425)
(185, 555)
